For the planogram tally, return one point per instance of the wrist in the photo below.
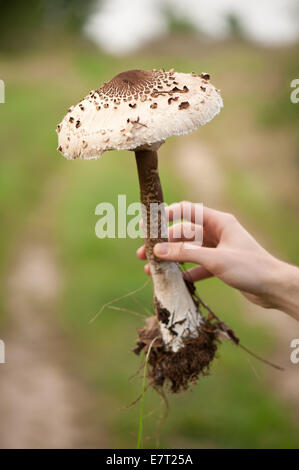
(284, 288)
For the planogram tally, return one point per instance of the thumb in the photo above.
(187, 252)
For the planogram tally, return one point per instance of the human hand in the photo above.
(230, 253)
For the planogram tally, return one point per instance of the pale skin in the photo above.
(230, 253)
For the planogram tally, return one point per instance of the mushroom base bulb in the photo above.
(177, 370)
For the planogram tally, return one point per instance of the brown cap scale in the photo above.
(137, 108)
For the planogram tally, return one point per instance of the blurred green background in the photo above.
(68, 383)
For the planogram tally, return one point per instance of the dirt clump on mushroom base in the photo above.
(177, 370)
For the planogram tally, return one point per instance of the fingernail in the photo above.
(161, 249)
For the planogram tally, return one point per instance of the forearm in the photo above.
(285, 289)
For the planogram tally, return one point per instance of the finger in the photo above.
(141, 253)
(185, 210)
(188, 252)
(147, 269)
(183, 231)
(213, 221)
(216, 222)
(187, 231)
(197, 274)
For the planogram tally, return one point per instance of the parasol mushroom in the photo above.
(137, 110)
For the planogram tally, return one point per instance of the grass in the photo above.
(143, 390)
(232, 407)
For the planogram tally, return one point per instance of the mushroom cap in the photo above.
(137, 109)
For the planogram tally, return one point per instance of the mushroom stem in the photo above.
(178, 316)
(151, 196)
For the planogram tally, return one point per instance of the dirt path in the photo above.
(41, 404)
(197, 164)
